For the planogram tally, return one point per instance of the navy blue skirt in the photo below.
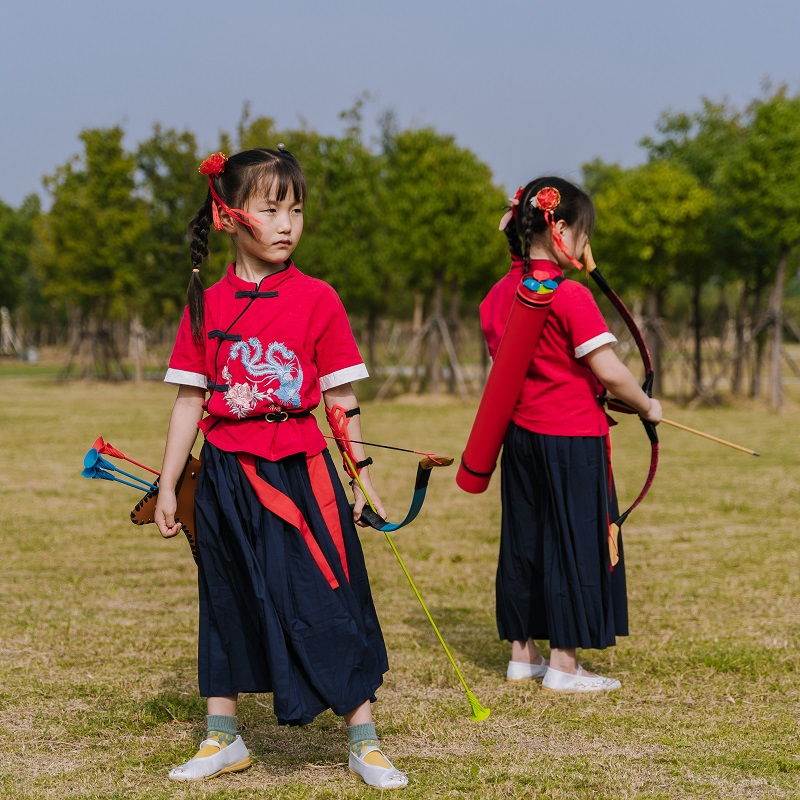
(554, 577)
(269, 619)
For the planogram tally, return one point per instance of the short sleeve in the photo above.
(586, 327)
(187, 362)
(337, 357)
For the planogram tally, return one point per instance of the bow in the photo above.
(424, 468)
(647, 386)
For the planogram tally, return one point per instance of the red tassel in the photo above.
(215, 216)
(558, 241)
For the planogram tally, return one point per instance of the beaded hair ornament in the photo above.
(213, 166)
(547, 199)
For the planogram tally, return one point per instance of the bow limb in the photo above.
(647, 386)
(424, 468)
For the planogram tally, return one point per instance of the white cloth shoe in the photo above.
(557, 681)
(213, 759)
(379, 777)
(523, 671)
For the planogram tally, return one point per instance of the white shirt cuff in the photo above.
(604, 338)
(341, 376)
(184, 378)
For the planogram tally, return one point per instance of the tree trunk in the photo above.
(776, 314)
(740, 344)
(76, 342)
(136, 347)
(698, 338)
(758, 338)
(435, 340)
(88, 348)
(653, 340)
(416, 326)
(372, 335)
(453, 313)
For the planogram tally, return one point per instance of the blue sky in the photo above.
(531, 87)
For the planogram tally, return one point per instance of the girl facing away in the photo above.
(555, 579)
(284, 596)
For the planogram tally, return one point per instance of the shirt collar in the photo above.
(543, 269)
(269, 283)
(540, 265)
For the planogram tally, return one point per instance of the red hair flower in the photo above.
(547, 199)
(213, 165)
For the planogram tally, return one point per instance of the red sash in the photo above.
(284, 507)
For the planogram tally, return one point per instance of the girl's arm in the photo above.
(345, 396)
(619, 380)
(181, 435)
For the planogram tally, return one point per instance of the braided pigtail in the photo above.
(528, 224)
(508, 224)
(514, 244)
(198, 249)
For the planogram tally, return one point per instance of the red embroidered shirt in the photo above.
(560, 394)
(266, 353)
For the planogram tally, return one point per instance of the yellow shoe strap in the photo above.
(375, 758)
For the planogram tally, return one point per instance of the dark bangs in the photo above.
(267, 174)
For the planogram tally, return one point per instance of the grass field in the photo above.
(98, 693)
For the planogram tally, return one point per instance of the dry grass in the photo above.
(97, 646)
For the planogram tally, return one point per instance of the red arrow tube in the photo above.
(503, 388)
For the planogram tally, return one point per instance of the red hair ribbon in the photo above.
(213, 166)
(548, 199)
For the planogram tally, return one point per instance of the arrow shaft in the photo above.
(615, 404)
(709, 437)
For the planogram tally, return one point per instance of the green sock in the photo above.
(221, 729)
(362, 737)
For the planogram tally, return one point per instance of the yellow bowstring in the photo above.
(478, 711)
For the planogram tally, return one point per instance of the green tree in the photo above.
(440, 210)
(173, 190)
(763, 182)
(90, 246)
(650, 233)
(705, 143)
(16, 238)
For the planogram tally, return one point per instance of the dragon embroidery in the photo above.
(279, 363)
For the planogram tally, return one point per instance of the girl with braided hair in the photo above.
(285, 602)
(555, 579)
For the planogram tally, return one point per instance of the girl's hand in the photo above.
(654, 413)
(166, 505)
(360, 500)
